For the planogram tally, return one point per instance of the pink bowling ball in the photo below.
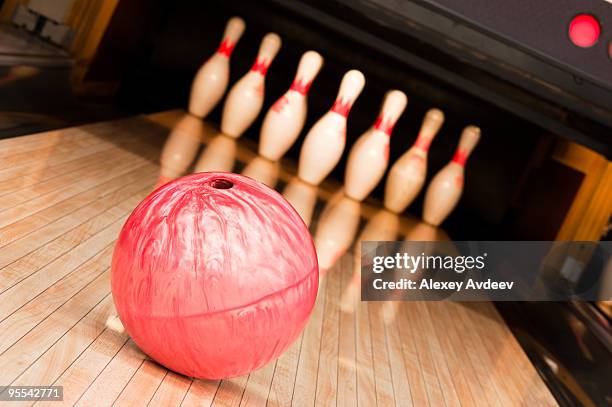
(214, 275)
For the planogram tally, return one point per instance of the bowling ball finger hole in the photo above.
(221, 183)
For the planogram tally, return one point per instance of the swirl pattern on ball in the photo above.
(214, 275)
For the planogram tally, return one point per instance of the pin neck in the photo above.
(341, 107)
(423, 143)
(384, 125)
(460, 157)
(226, 48)
(260, 66)
(300, 87)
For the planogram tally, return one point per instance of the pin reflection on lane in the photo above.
(302, 196)
(263, 170)
(181, 147)
(218, 155)
(336, 229)
(417, 233)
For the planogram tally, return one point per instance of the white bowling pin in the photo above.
(285, 119)
(211, 80)
(407, 174)
(445, 189)
(218, 155)
(369, 156)
(245, 99)
(180, 148)
(302, 196)
(325, 141)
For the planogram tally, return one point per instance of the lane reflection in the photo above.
(181, 147)
(263, 170)
(302, 196)
(218, 155)
(382, 226)
(336, 229)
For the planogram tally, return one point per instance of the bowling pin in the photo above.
(369, 156)
(285, 119)
(407, 175)
(245, 99)
(211, 80)
(218, 155)
(325, 141)
(446, 187)
(180, 148)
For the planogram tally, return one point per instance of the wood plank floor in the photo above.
(64, 196)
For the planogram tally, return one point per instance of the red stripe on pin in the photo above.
(261, 66)
(386, 126)
(422, 143)
(226, 48)
(341, 107)
(300, 87)
(460, 157)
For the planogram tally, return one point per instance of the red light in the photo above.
(584, 30)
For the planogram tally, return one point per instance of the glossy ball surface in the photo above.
(214, 275)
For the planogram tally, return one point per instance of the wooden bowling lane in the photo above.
(62, 204)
